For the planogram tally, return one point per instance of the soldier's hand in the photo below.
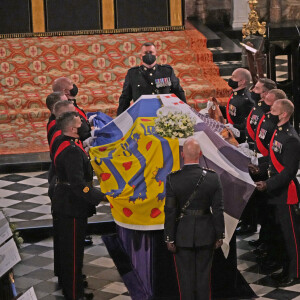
(218, 244)
(171, 247)
(253, 169)
(261, 186)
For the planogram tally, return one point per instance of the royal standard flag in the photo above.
(132, 162)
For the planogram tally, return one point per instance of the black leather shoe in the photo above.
(287, 281)
(269, 266)
(87, 296)
(88, 241)
(85, 284)
(278, 276)
(254, 243)
(245, 229)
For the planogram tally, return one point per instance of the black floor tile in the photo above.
(38, 261)
(17, 187)
(28, 215)
(20, 196)
(282, 294)
(24, 205)
(47, 286)
(35, 249)
(42, 274)
(14, 177)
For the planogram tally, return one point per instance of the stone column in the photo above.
(240, 12)
(201, 9)
(275, 11)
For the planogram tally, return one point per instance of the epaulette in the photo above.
(72, 142)
(133, 68)
(168, 66)
(208, 169)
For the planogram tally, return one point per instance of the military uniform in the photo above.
(283, 190)
(51, 127)
(253, 120)
(85, 128)
(263, 135)
(73, 202)
(237, 110)
(140, 81)
(197, 231)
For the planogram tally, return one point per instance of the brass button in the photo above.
(153, 93)
(138, 85)
(145, 68)
(151, 83)
(235, 93)
(150, 74)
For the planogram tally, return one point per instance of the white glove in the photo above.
(235, 131)
(243, 145)
(204, 111)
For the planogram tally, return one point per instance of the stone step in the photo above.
(213, 40)
(228, 50)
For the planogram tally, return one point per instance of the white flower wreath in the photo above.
(173, 123)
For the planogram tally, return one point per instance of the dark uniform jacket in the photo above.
(51, 127)
(238, 108)
(85, 128)
(140, 81)
(263, 135)
(286, 147)
(194, 230)
(253, 119)
(74, 194)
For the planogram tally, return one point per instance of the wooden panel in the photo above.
(38, 15)
(142, 13)
(175, 13)
(108, 14)
(15, 16)
(73, 15)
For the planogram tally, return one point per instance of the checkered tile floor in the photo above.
(23, 197)
(36, 269)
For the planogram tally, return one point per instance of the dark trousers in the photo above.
(71, 243)
(289, 225)
(193, 267)
(56, 247)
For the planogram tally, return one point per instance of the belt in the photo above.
(197, 212)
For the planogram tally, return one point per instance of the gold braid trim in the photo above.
(90, 32)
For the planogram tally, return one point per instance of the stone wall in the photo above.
(219, 11)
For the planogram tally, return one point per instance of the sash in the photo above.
(66, 144)
(229, 120)
(60, 149)
(249, 128)
(262, 149)
(50, 125)
(292, 191)
(81, 112)
(55, 135)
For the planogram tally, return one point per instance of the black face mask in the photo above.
(233, 84)
(74, 90)
(273, 118)
(149, 59)
(255, 97)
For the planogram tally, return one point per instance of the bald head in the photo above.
(244, 74)
(191, 151)
(63, 85)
